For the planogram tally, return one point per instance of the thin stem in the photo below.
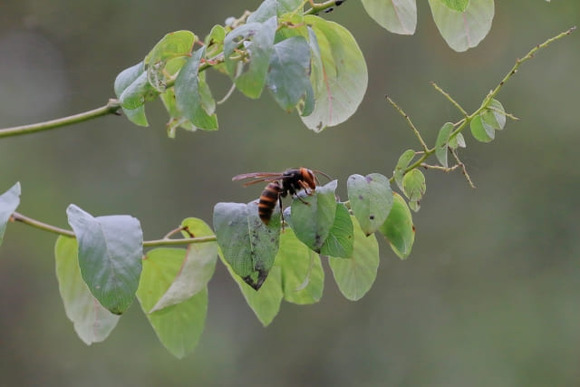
(517, 65)
(18, 217)
(463, 168)
(440, 167)
(228, 94)
(411, 125)
(112, 107)
(508, 115)
(455, 103)
(460, 126)
(324, 6)
(173, 232)
(179, 242)
(419, 161)
(487, 100)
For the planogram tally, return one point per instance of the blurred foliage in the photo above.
(488, 297)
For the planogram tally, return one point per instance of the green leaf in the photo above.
(442, 143)
(313, 218)
(457, 141)
(196, 269)
(92, 322)
(187, 92)
(463, 30)
(248, 245)
(122, 82)
(9, 202)
(371, 199)
(265, 11)
(484, 125)
(170, 101)
(137, 116)
(137, 93)
(482, 133)
(127, 77)
(179, 326)
(339, 74)
(288, 78)
(302, 274)
(176, 120)
(494, 116)
(340, 240)
(173, 45)
(355, 276)
(402, 164)
(456, 5)
(398, 228)
(285, 6)
(259, 38)
(110, 252)
(214, 42)
(264, 302)
(414, 187)
(397, 16)
(207, 102)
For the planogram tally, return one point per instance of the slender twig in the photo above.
(411, 125)
(173, 232)
(487, 100)
(455, 103)
(517, 65)
(462, 124)
(324, 6)
(112, 107)
(440, 167)
(463, 168)
(508, 115)
(179, 242)
(18, 217)
(228, 94)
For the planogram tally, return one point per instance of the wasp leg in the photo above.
(309, 191)
(281, 211)
(296, 196)
(302, 200)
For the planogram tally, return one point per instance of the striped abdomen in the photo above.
(268, 200)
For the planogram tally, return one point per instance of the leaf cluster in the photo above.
(309, 65)
(105, 267)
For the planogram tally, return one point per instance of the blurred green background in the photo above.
(489, 297)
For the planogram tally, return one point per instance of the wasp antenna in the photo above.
(322, 173)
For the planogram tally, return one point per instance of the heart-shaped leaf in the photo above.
(110, 249)
(178, 326)
(397, 16)
(355, 275)
(196, 269)
(92, 322)
(371, 199)
(247, 244)
(398, 228)
(313, 216)
(302, 274)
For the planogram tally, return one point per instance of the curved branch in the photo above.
(18, 217)
(112, 107)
